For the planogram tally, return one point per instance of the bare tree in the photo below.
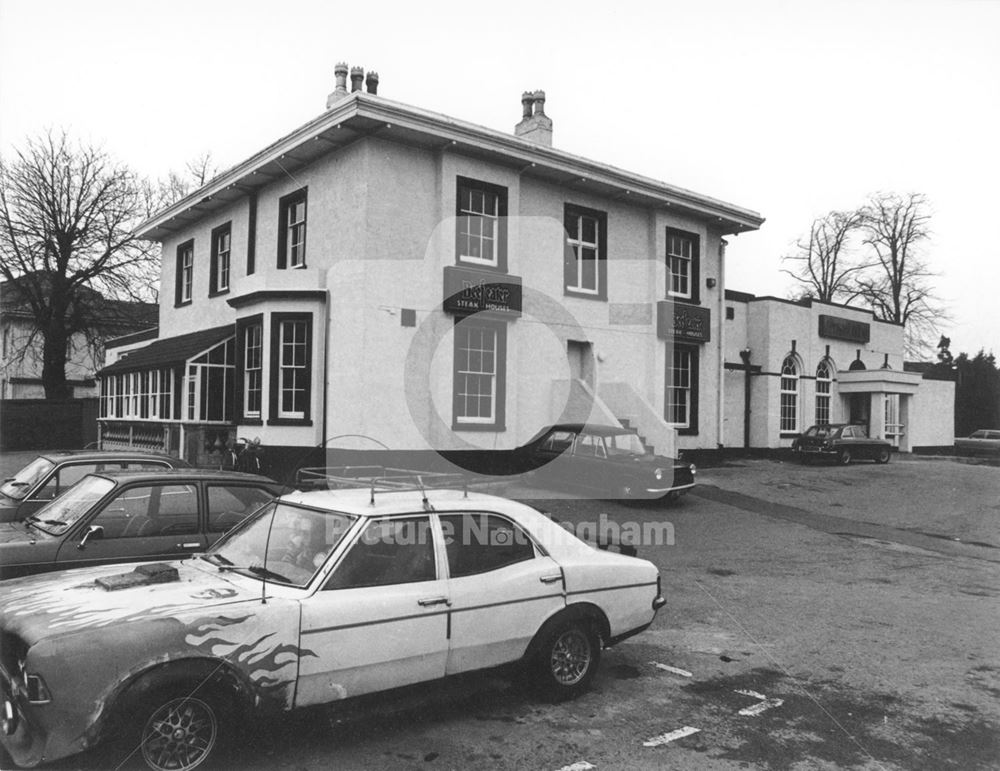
(67, 214)
(823, 264)
(899, 286)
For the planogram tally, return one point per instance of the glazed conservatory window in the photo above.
(210, 384)
(789, 420)
(824, 383)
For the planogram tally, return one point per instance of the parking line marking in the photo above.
(756, 695)
(666, 738)
(761, 706)
(581, 765)
(674, 670)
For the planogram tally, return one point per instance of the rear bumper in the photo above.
(661, 491)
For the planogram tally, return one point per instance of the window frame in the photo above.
(443, 516)
(788, 396)
(693, 296)
(691, 389)
(497, 421)
(277, 416)
(824, 393)
(572, 263)
(184, 276)
(499, 259)
(286, 204)
(242, 327)
(221, 260)
(357, 542)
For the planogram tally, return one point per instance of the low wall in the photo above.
(40, 424)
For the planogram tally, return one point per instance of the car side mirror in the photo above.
(95, 532)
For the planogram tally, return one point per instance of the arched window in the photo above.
(789, 395)
(824, 384)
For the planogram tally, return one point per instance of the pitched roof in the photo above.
(171, 350)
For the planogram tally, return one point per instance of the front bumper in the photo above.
(19, 732)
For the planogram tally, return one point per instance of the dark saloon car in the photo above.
(125, 516)
(51, 474)
(982, 442)
(608, 461)
(841, 442)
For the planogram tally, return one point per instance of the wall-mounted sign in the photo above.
(844, 329)
(677, 321)
(467, 290)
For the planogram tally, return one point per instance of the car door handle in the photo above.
(194, 545)
(429, 601)
(550, 579)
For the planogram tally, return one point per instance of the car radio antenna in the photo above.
(267, 547)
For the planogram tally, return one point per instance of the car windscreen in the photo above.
(821, 431)
(624, 444)
(57, 516)
(27, 478)
(281, 542)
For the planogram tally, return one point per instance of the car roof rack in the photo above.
(385, 479)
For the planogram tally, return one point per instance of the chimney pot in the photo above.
(371, 81)
(527, 98)
(539, 99)
(340, 91)
(357, 75)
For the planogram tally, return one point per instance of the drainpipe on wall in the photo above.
(720, 411)
(745, 355)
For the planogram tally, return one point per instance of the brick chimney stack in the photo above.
(338, 93)
(535, 125)
(371, 81)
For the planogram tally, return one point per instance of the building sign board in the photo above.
(467, 290)
(677, 321)
(844, 329)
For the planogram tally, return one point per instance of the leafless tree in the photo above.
(67, 215)
(823, 262)
(899, 285)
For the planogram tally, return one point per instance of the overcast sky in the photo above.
(787, 108)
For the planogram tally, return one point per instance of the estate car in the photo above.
(51, 474)
(124, 516)
(318, 596)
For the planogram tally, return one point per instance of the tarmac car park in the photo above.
(317, 597)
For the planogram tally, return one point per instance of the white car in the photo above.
(319, 596)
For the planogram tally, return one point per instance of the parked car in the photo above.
(51, 474)
(985, 441)
(123, 516)
(842, 442)
(608, 461)
(317, 597)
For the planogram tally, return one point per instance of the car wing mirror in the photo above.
(94, 532)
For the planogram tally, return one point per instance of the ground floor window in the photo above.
(824, 383)
(681, 401)
(479, 374)
(789, 396)
(291, 366)
(142, 395)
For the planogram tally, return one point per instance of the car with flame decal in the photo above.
(318, 596)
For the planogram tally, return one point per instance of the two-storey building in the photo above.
(385, 276)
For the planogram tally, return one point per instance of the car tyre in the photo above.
(844, 457)
(882, 456)
(567, 661)
(178, 730)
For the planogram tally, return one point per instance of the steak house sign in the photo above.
(475, 291)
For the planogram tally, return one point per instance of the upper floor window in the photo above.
(824, 383)
(291, 366)
(220, 262)
(481, 229)
(292, 230)
(789, 395)
(585, 271)
(185, 273)
(682, 265)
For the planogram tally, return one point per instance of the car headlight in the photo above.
(658, 473)
(694, 469)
